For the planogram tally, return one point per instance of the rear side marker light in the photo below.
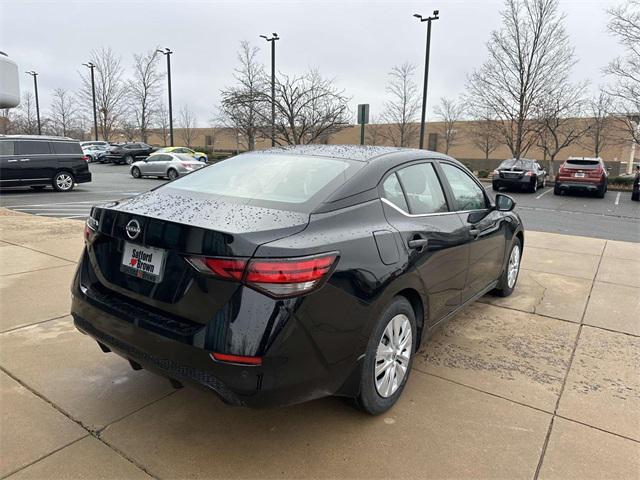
(239, 359)
(277, 277)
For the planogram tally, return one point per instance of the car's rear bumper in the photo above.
(576, 185)
(293, 368)
(84, 177)
(513, 182)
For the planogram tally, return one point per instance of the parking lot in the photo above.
(614, 217)
(543, 384)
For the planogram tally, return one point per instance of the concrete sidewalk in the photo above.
(543, 384)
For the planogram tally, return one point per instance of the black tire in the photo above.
(369, 399)
(601, 191)
(556, 190)
(533, 188)
(135, 172)
(63, 181)
(37, 187)
(495, 187)
(172, 174)
(544, 182)
(504, 289)
(128, 159)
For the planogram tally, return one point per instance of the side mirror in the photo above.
(504, 203)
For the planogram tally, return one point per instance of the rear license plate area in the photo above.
(143, 262)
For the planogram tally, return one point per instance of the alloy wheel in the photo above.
(513, 267)
(393, 355)
(64, 181)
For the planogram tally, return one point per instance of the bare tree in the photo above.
(600, 123)
(401, 111)
(64, 112)
(485, 135)
(7, 121)
(244, 107)
(529, 57)
(144, 90)
(558, 126)
(450, 112)
(187, 123)
(624, 23)
(111, 90)
(129, 129)
(373, 134)
(309, 109)
(26, 121)
(162, 122)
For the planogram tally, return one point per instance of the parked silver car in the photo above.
(170, 165)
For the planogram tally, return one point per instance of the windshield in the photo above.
(278, 178)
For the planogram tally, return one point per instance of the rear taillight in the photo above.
(528, 174)
(85, 158)
(563, 170)
(277, 277)
(496, 172)
(90, 230)
(239, 359)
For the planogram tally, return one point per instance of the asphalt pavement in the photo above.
(614, 217)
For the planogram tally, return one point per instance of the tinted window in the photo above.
(6, 147)
(423, 190)
(513, 163)
(67, 147)
(393, 192)
(33, 147)
(583, 163)
(159, 158)
(286, 179)
(467, 193)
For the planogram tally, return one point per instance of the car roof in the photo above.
(38, 137)
(361, 153)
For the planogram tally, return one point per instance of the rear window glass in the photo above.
(511, 163)
(584, 163)
(67, 147)
(33, 147)
(281, 179)
(6, 147)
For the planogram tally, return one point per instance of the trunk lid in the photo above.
(183, 224)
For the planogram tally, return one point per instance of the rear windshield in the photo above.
(274, 180)
(584, 163)
(512, 162)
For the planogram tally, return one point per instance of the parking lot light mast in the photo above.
(91, 66)
(35, 87)
(426, 71)
(273, 85)
(167, 52)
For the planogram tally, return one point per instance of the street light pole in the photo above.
(426, 72)
(91, 66)
(167, 52)
(273, 85)
(35, 87)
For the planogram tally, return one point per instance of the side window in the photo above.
(6, 147)
(393, 192)
(68, 147)
(33, 147)
(468, 195)
(423, 190)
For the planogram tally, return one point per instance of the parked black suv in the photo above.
(37, 161)
(128, 152)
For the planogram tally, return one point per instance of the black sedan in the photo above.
(519, 173)
(280, 276)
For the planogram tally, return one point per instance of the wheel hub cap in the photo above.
(393, 355)
(64, 182)
(514, 265)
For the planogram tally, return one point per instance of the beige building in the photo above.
(615, 152)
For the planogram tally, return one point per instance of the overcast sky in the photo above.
(354, 42)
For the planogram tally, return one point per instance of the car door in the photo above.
(484, 229)
(36, 161)
(156, 164)
(9, 164)
(432, 236)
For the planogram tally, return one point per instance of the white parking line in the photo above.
(618, 198)
(543, 193)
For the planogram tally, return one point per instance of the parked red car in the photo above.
(582, 173)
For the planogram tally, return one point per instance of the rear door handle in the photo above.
(25, 159)
(418, 243)
(12, 161)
